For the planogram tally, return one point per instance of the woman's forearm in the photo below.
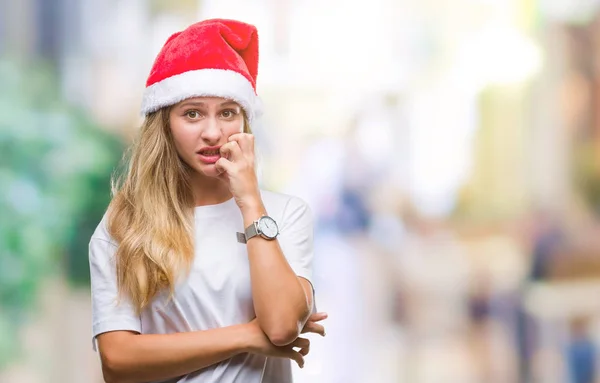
(132, 358)
(280, 302)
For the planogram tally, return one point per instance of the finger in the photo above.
(295, 356)
(317, 317)
(301, 342)
(245, 141)
(304, 350)
(232, 151)
(313, 327)
(224, 166)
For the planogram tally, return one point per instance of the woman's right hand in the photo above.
(260, 344)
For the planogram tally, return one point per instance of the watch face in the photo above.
(268, 227)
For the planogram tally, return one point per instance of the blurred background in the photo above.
(450, 151)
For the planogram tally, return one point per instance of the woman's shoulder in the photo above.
(101, 232)
(273, 197)
(283, 203)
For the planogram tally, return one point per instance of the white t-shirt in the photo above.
(217, 292)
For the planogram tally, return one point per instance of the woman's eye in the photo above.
(192, 114)
(228, 113)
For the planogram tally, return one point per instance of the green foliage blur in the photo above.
(55, 168)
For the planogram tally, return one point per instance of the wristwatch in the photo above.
(265, 226)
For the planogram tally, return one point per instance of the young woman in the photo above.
(197, 274)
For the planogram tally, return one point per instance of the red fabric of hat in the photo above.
(215, 57)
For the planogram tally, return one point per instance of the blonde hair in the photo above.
(151, 214)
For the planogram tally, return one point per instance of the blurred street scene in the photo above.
(450, 152)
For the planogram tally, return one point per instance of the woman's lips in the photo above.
(209, 155)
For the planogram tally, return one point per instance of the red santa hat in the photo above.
(215, 57)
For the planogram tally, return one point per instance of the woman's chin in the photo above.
(208, 170)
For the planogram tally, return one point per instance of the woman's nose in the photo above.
(211, 132)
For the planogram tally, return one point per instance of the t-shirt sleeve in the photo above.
(108, 312)
(296, 238)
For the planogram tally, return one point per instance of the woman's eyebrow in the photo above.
(192, 103)
(230, 103)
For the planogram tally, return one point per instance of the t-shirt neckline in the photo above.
(215, 208)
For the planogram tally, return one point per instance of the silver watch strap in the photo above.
(249, 233)
(241, 237)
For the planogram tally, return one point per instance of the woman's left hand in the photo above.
(236, 167)
(312, 325)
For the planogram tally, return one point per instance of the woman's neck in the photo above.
(209, 190)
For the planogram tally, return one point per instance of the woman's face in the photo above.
(200, 126)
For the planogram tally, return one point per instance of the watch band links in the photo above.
(250, 232)
(241, 237)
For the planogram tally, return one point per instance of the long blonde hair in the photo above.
(151, 214)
